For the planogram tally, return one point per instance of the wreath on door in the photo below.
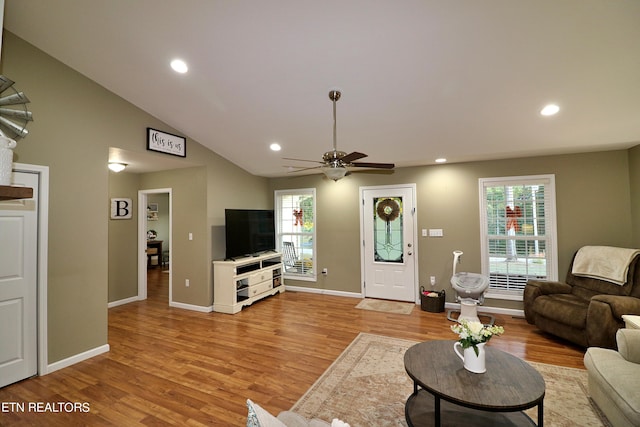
(388, 210)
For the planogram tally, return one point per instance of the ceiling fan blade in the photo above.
(373, 165)
(301, 160)
(372, 171)
(299, 169)
(348, 158)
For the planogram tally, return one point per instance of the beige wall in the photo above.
(634, 182)
(75, 123)
(593, 207)
(123, 251)
(190, 258)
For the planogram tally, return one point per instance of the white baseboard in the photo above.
(122, 302)
(487, 309)
(323, 291)
(52, 367)
(200, 308)
(449, 305)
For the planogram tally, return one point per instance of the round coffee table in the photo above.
(444, 393)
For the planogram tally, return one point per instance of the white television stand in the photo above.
(240, 282)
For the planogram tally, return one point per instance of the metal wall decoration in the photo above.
(14, 120)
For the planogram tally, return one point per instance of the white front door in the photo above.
(388, 236)
(18, 284)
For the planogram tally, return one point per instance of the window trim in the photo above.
(277, 194)
(551, 233)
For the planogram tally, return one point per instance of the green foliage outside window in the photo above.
(529, 202)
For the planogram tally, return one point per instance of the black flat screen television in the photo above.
(248, 232)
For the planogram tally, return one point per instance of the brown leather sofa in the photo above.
(583, 310)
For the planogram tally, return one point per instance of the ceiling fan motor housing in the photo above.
(331, 156)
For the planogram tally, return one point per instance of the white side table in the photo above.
(631, 322)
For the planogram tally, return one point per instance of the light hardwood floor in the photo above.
(170, 366)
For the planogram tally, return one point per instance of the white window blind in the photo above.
(296, 232)
(518, 232)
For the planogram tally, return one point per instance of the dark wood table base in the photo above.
(420, 412)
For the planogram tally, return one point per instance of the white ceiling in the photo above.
(420, 79)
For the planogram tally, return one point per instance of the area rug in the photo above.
(368, 386)
(386, 306)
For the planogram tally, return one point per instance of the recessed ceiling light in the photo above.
(179, 66)
(441, 160)
(275, 147)
(550, 110)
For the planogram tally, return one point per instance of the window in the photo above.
(296, 232)
(518, 232)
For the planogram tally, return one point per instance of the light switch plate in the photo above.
(436, 232)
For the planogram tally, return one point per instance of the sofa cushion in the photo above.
(617, 379)
(258, 417)
(563, 308)
(597, 286)
(292, 419)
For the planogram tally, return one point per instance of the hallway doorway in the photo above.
(155, 235)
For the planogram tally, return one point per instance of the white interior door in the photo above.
(388, 235)
(18, 284)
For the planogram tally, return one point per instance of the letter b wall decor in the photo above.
(121, 208)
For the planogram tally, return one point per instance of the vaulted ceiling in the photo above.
(420, 79)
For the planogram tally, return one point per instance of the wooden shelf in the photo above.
(8, 192)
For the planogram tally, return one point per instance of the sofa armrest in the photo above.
(619, 305)
(535, 288)
(629, 344)
(548, 287)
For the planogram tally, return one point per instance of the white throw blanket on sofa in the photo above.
(604, 262)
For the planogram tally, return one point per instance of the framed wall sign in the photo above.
(166, 143)
(121, 208)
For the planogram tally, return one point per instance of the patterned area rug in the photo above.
(386, 306)
(368, 386)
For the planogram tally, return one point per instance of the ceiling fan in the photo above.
(334, 163)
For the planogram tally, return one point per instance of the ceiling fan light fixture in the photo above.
(335, 172)
(117, 166)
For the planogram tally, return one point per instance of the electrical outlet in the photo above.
(186, 282)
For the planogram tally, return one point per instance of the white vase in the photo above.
(6, 159)
(472, 362)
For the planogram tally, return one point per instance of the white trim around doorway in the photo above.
(414, 219)
(142, 241)
(43, 260)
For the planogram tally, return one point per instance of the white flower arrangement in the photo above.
(473, 333)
